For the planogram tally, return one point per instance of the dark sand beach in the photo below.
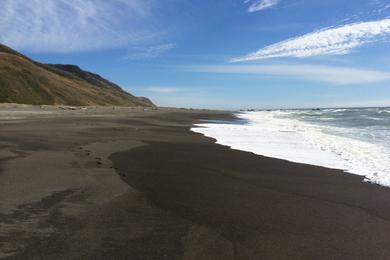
(121, 183)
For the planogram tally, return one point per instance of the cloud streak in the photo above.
(327, 74)
(141, 53)
(164, 90)
(330, 41)
(260, 5)
(76, 25)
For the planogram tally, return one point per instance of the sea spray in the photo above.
(354, 140)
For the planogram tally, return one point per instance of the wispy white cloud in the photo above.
(330, 41)
(259, 5)
(186, 96)
(327, 74)
(163, 89)
(76, 25)
(140, 53)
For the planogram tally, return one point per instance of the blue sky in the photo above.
(225, 54)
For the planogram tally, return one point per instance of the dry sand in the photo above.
(122, 183)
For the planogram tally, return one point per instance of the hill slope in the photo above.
(23, 80)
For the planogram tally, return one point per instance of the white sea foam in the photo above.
(275, 134)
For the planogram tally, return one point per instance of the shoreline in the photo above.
(309, 141)
(186, 198)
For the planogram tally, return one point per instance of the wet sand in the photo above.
(117, 183)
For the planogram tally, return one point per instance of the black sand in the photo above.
(186, 198)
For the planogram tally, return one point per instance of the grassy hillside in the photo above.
(25, 81)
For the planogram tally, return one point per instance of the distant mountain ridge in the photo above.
(25, 81)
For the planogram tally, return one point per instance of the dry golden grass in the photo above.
(28, 82)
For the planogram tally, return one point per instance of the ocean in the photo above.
(356, 140)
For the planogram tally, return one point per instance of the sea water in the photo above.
(356, 140)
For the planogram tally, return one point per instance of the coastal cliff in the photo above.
(26, 81)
